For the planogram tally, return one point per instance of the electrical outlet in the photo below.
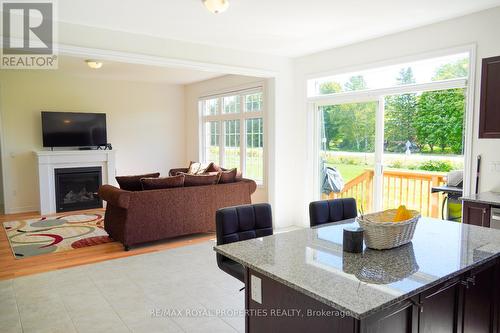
(256, 291)
(495, 166)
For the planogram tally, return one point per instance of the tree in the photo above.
(349, 127)
(459, 68)
(355, 83)
(400, 111)
(440, 118)
(330, 88)
(440, 115)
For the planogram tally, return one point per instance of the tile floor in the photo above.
(146, 293)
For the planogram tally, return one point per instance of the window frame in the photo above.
(242, 116)
(315, 101)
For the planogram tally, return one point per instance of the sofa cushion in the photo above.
(228, 176)
(198, 180)
(133, 183)
(163, 182)
(198, 168)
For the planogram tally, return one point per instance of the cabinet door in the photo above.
(476, 214)
(479, 300)
(489, 114)
(440, 308)
(401, 318)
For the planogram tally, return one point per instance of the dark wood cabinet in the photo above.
(480, 294)
(476, 213)
(402, 317)
(468, 303)
(440, 308)
(489, 116)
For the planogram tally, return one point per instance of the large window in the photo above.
(392, 133)
(233, 135)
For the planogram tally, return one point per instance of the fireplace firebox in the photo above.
(76, 188)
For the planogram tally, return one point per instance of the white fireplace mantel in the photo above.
(50, 160)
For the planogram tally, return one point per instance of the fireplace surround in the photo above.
(49, 161)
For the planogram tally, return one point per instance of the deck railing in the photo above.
(400, 187)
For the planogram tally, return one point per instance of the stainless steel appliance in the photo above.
(495, 218)
(452, 205)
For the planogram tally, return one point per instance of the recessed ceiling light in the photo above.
(216, 6)
(94, 64)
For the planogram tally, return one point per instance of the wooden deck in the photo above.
(400, 187)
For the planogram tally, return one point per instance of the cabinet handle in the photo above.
(472, 280)
(420, 306)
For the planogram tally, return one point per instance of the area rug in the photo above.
(34, 237)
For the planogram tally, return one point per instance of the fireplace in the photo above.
(76, 188)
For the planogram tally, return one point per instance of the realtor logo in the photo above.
(28, 35)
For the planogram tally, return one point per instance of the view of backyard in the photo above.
(422, 139)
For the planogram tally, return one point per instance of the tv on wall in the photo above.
(73, 129)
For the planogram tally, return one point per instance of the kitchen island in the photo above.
(445, 280)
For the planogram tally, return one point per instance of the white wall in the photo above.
(481, 28)
(145, 124)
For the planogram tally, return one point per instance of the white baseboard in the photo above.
(24, 209)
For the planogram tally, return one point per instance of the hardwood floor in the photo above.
(11, 267)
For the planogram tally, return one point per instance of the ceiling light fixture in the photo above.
(216, 6)
(94, 64)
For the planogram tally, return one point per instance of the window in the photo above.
(253, 102)
(448, 67)
(212, 130)
(254, 148)
(231, 104)
(233, 135)
(392, 133)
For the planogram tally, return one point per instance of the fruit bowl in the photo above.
(389, 229)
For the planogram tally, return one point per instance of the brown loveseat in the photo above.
(134, 217)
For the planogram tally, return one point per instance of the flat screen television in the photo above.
(73, 129)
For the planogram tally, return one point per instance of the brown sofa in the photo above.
(134, 217)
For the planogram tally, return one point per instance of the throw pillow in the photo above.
(228, 176)
(198, 168)
(213, 168)
(161, 183)
(198, 180)
(133, 183)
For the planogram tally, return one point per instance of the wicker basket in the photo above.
(381, 235)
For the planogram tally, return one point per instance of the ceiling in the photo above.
(279, 27)
(113, 70)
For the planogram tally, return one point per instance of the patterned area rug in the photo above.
(55, 234)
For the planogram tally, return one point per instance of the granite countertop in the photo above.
(490, 198)
(311, 261)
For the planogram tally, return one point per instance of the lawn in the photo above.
(349, 171)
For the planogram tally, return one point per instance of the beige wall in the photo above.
(210, 87)
(145, 124)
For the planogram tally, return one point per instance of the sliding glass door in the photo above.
(423, 141)
(393, 151)
(393, 133)
(347, 144)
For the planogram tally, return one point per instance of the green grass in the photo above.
(349, 171)
(254, 161)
